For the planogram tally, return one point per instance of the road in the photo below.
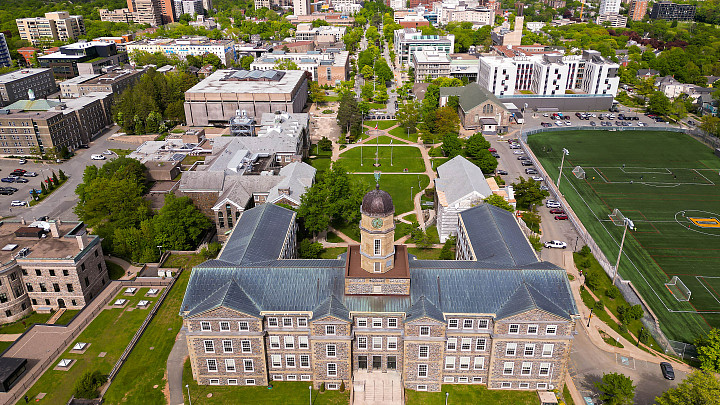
(62, 201)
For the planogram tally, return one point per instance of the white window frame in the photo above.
(362, 322)
(464, 363)
(230, 365)
(285, 321)
(247, 369)
(451, 344)
(449, 363)
(548, 349)
(377, 247)
(227, 346)
(250, 381)
(208, 362)
(274, 363)
(377, 343)
(377, 323)
(332, 369)
(508, 365)
(477, 380)
(302, 322)
(526, 368)
(506, 385)
(524, 386)
(209, 346)
(303, 342)
(449, 379)
(551, 330)
(232, 381)
(465, 344)
(392, 343)
(453, 323)
(546, 367)
(421, 388)
(422, 371)
(330, 330)
(289, 342)
(423, 329)
(273, 322)
(214, 381)
(331, 351)
(205, 326)
(542, 386)
(304, 361)
(292, 377)
(224, 326)
(516, 328)
(467, 323)
(277, 377)
(362, 342)
(479, 363)
(245, 346)
(305, 377)
(463, 380)
(532, 330)
(422, 348)
(511, 349)
(481, 344)
(290, 361)
(274, 342)
(483, 323)
(529, 347)
(243, 325)
(392, 322)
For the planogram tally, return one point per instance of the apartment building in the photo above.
(28, 125)
(478, 16)
(115, 81)
(638, 9)
(504, 36)
(609, 7)
(182, 47)
(5, 59)
(120, 15)
(55, 26)
(429, 65)
(301, 7)
(673, 11)
(216, 99)
(374, 308)
(613, 20)
(409, 40)
(549, 74)
(329, 67)
(82, 58)
(190, 7)
(284, 4)
(15, 85)
(325, 33)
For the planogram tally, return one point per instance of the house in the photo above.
(478, 108)
(496, 316)
(461, 185)
(707, 105)
(645, 73)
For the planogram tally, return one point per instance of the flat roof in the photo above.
(215, 83)
(353, 267)
(79, 79)
(39, 247)
(21, 74)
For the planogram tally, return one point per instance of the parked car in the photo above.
(552, 204)
(8, 179)
(22, 180)
(519, 152)
(555, 244)
(495, 155)
(561, 217)
(19, 171)
(18, 203)
(97, 157)
(13, 189)
(593, 123)
(502, 172)
(667, 370)
(22, 161)
(492, 150)
(30, 174)
(4, 191)
(537, 178)
(531, 171)
(526, 163)
(544, 187)
(107, 152)
(37, 192)
(557, 211)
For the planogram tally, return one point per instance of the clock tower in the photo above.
(377, 232)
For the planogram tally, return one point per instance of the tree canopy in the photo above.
(616, 389)
(499, 201)
(698, 388)
(528, 193)
(708, 348)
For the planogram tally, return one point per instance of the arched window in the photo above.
(228, 208)
(487, 109)
(221, 221)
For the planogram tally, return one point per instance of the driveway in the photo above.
(62, 201)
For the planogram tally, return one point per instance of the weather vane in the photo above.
(377, 179)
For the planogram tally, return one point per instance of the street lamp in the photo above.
(160, 250)
(310, 388)
(522, 126)
(188, 389)
(411, 193)
(447, 394)
(627, 223)
(562, 162)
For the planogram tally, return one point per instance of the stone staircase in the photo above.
(377, 388)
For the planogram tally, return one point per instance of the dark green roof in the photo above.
(471, 96)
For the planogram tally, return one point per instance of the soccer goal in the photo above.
(579, 172)
(678, 289)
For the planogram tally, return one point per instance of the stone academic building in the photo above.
(497, 315)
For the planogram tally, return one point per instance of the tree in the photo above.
(698, 388)
(319, 23)
(447, 121)
(710, 124)
(499, 202)
(659, 104)
(381, 95)
(286, 64)
(407, 115)
(348, 112)
(317, 94)
(528, 193)
(708, 348)
(451, 145)
(366, 91)
(383, 71)
(179, 224)
(616, 389)
(87, 385)
(325, 144)
(475, 145)
(309, 250)
(367, 72)
(446, 251)
(486, 161)
(55, 178)
(245, 62)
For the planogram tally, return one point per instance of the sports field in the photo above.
(668, 184)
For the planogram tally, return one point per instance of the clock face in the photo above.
(377, 223)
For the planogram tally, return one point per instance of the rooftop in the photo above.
(20, 74)
(232, 81)
(38, 239)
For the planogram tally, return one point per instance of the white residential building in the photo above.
(430, 65)
(306, 32)
(609, 7)
(196, 46)
(615, 20)
(448, 13)
(552, 74)
(409, 40)
(301, 7)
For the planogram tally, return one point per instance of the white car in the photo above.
(568, 123)
(558, 123)
(518, 152)
(555, 244)
(97, 157)
(552, 204)
(537, 178)
(18, 203)
(107, 152)
(545, 115)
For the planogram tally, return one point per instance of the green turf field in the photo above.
(660, 180)
(403, 157)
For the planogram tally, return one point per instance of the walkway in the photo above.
(377, 388)
(175, 365)
(130, 270)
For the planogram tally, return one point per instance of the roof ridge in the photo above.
(502, 235)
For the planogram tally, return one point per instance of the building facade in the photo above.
(673, 11)
(51, 265)
(331, 67)
(430, 65)
(638, 9)
(182, 47)
(82, 58)
(55, 26)
(478, 108)
(120, 15)
(376, 309)
(15, 85)
(5, 59)
(612, 20)
(609, 7)
(301, 7)
(115, 81)
(409, 40)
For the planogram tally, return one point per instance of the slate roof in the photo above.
(203, 181)
(297, 177)
(471, 96)
(506, 270)
(232, 296)
(460, 177)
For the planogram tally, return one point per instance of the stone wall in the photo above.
(380, 286)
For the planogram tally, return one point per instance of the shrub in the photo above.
(593, 279)
(322, 387)
(62, 175)
(585, 251)
(599, 306)
(88, 384)
(325, 144)
(612, 292)
(623, 328)
(644, 336)
(342, 386)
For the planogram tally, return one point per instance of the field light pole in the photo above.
(562, 162)
(391, 153)
(188, 389)
(310, 388)
(628, 224)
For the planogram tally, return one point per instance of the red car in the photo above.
(492, 150)
(556, 211)
(19, 171)
(561, 217)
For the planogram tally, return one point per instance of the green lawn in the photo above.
(352, 231)
(283, 392)
(432, 232)
(403, 157)
(67, 316)
(398, 186)
(320, 163)
(402, 132)
(425, 254)
(471, 394)
(122, 152)
(411, 218)
(333, 238)
(402, 229)
(115, 271)
(4, 345)
(145, 368)
(110, 332)
(23, 324)
(385, 140)
(381, 124)
(185, 261)
(659, 180)
(332, 253)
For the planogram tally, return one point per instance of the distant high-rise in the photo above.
(301, 7)
(673, 11)
(4, 52)
(638, 9)
(609, 7)
(55, 26)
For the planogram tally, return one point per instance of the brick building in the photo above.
(14, 86)
(257, 314)
(48, 265)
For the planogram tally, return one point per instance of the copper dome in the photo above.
(377, 203)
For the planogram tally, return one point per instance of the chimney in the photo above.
(22, 221)
(81, 241)
(54, 231)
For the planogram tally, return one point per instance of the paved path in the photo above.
(130, 270)
(175, 364)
